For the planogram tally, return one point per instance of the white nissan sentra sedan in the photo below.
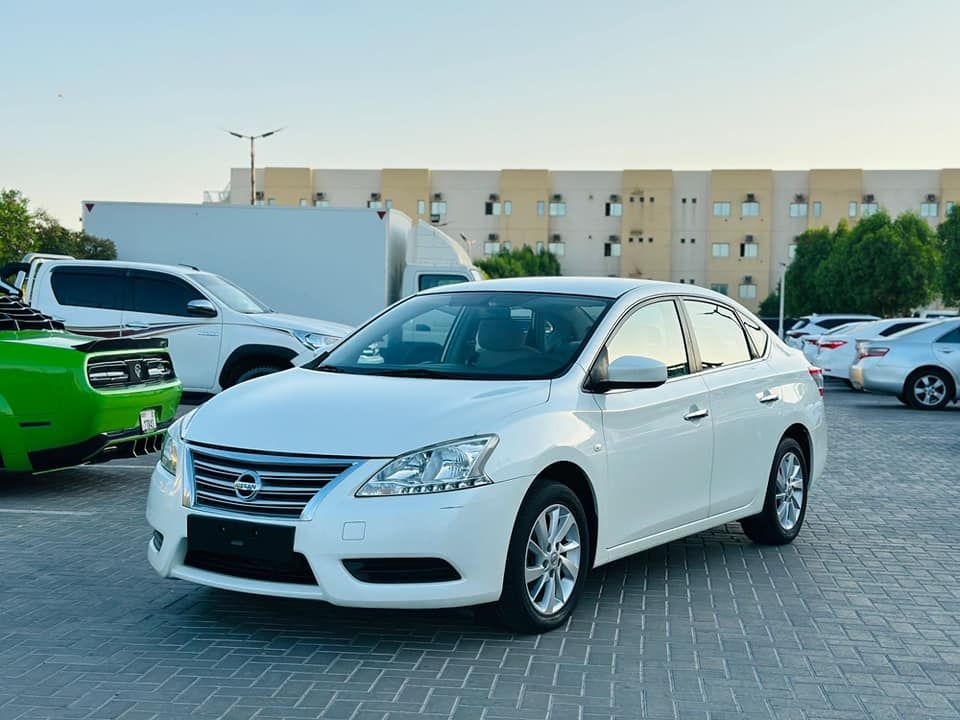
(490, 444)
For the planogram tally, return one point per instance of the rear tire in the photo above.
(548, 560)
(785, 505)
(930, 389)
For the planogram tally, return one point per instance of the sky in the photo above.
(125, 101)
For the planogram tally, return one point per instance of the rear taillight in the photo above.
(810, 341)
(865, 352)
(817, 375)
(832, 344)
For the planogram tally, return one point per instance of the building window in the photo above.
(438, 210)
(614, 209)
(721, 250)
(491, 208)
(558, 209)
(539, 246)
(374, 204)
(611, 249)
(323, 203)
(929, 209)
(507, 246)
(491, 247)
(389, 205)
(721, 209)
(749, 208)
(949, 207)
(868, 209)
(719, 287)
(556, 248)
(421, 207)
(852, 209)
(303, 202)
(540, 206)
(271, 201)
(798, 209)
(507, 207)
(749, 250)
(748, 291)
(792, 251)
(817, 208)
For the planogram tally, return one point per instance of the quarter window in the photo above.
(951, 337)
(719, 335)
(652, 331)
(758, 336)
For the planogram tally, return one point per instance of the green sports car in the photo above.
(68, 399)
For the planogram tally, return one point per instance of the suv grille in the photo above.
(260, 484)
(118, 371)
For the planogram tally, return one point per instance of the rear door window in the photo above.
(160, 294)
(718, 333)
(92, 287)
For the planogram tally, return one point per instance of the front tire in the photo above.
(258, 370)
(928, 390)
(785, 506)
(547, 562)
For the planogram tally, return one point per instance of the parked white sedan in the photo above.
(837, 350)
(490, 444)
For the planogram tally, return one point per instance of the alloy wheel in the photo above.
(929, 390)
(789, 490)
(553, 560)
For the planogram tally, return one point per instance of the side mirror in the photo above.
(630, 372)
(201, 308)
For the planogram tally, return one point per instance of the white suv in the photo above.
(219, 334)
(810, 326)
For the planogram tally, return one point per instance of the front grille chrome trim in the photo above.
(291, 485)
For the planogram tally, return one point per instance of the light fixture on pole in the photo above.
(252, 139)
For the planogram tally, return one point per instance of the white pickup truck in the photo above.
(219, 334)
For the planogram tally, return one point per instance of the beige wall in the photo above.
(524, 188)
(733, 186)
(288, 187)
(835, 190)
(691, 191)
(404, 188)
(646, 224)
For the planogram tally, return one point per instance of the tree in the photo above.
(17, 234)
(949, 236)
(52, 237)
(804, 294)
(522, 262)
(770, 307)
(882, 266)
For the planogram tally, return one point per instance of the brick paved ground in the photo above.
(859, 618)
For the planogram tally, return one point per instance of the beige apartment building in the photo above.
(730, 230)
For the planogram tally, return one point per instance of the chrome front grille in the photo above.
(260, 484)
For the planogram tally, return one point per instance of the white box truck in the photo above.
(340, 264)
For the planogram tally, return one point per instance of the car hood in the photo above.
(307, 411)
(295, 322)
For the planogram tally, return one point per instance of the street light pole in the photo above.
(253, 174)
(783, 293)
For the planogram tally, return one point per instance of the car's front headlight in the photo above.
(455, 465)
(172, 449)
(316, 341)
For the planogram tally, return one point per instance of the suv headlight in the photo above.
(455, 465)
(316, 341)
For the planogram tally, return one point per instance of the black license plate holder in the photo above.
(239, 538)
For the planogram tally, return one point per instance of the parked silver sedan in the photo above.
(921, 366)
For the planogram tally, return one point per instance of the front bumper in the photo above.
(469, 529)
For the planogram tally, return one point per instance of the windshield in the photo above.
(472, 335)
(229, 294)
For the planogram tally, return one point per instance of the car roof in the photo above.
(157, 267)
(829, 316)
(608, 287)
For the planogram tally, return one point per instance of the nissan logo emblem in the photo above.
(247, 485)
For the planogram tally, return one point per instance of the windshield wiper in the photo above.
(412, 372)
(323, 368)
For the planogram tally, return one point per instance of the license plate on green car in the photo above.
(148, 420)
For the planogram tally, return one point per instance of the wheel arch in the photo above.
(799, 433)
(574, 477)
(245, 355)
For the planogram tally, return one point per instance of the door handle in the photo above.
(696, 415)
(136, 325)
(769, 397)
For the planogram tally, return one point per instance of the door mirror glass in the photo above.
(631, 372)
(201, 308)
